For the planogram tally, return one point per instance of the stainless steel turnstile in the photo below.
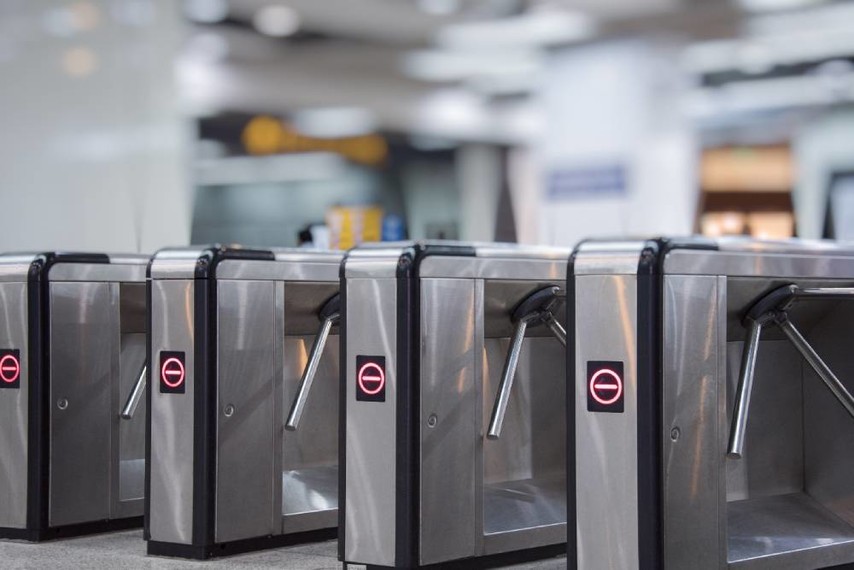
(72, 361)
(712, 405)
(452, 400)
(244, 400)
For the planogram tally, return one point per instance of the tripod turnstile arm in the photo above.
(744, 391)
(814, 360)
(557, 329)
(329, 314)
(508, 374)
(535, 309)
(773, 309)
(135, 395)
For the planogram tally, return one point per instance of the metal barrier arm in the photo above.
(329, 315)
(773, 309)
(135, 395)
(535, 309)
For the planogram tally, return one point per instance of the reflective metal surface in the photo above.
(84, 330)
(247, 383)
(786, 532)
(744, 391)
(369, 523)
(694, 427)
(135, 396)
(14, 415)
(606, 444)
(522, 469)
(310, 453)
(450, 430)
(171, 487)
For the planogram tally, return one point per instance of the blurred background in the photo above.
(129, 125)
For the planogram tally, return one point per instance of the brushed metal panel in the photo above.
(828, 429)
(324, 268)
(751, 264)
(449, 420)
(693, 396)
(606, 444)
(83, 360)
(130, 438)
(13, 409)
(495, 268)
(99, 271)
(177, 263)
(371, 325)
(171, 486)
(773, 460)
(246, 385)
(608, 257)
(310, 454)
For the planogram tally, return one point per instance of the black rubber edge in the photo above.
(146, 529)
(495, 560)
(571, 478)
(38, 429)
(342, 407)
(649, 354)
(222, 549)
(68, 531)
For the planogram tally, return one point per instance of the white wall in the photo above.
(618, 104)
(824, 146)
(92, 146)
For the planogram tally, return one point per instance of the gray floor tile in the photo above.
(126, 550)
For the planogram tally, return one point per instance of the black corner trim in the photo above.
(571, 476)
(342, 409)
(649, 353)
(38, 405)
(146, 532)
(213, 255)
(218, 550)
(68, 531)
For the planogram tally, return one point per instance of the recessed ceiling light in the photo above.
(276, 20)
(206, 11)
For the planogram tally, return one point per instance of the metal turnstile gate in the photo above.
(712, 405)
(453, 424)
(244, 400)
(72, 372)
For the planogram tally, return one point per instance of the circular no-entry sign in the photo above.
(606, 386)
(172, 372)
(10, 368)
(371, 378)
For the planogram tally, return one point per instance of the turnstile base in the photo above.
(193, 552)
(68, 531)
(491, 561)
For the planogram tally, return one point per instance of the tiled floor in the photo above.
(126, 550)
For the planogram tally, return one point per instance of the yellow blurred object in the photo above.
(351, 225)
(747, 169)
(716, 224)
(268, 135)
(771, 225)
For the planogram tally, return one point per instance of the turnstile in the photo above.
(712, 405)
(242, 456)
(453, 422)
(72, 361)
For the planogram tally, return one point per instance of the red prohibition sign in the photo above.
(10, 368)
(172, 368)
(606, 386)
(371, 373)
